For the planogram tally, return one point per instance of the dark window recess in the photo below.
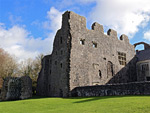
(110, 70)
(50, 72)
(100, 74)
(94, 45)
(56, 52)
(61, 93)
(104, 58)
(82, 41)
(61, 40)
(49, 87)
(61, 65)
(61, 52)
(55, 62)
(148, 78)
(145, 67)
(122, 58)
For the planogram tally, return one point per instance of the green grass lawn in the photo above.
(109, 104)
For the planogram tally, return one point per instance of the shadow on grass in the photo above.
(81, 99)
(88, 99)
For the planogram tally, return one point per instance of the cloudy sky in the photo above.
(28, 27)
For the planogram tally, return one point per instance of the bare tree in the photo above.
(31, 67)
(10, 67)
(8, 64)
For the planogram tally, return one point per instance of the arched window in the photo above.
(110, 70)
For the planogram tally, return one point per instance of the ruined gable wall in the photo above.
(56, 72)
(86, 61)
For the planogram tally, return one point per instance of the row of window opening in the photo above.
(61, 52)
(60, 64)
(82, 42)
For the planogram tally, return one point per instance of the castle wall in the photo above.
(83, 57)
(94, 55)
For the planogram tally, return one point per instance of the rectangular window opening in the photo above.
(94, 45)
(148, 78)
(82, 41)
(122, 58)
(50, 72)
(61, 65)
(61, 40)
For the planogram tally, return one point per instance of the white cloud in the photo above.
(147, 35)
(19, 42)
(125, 16)
(54, 20)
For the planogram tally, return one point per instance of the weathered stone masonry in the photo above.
(83, 57)
(135, 88)
(15, 88)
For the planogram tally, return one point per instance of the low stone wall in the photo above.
(136, 88)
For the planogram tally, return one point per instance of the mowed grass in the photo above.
(108, 104)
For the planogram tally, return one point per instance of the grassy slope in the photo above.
(110, 104)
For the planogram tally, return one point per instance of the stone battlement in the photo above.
(80, 23)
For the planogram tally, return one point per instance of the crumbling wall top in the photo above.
(146, 46)
(97, 27)
(124, 37)
(112, 33)
(72, 20)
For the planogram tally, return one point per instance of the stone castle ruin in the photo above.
(84, 58)
(15, 88)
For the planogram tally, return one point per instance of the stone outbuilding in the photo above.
(15, 88)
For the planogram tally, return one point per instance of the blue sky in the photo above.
(28, 27)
